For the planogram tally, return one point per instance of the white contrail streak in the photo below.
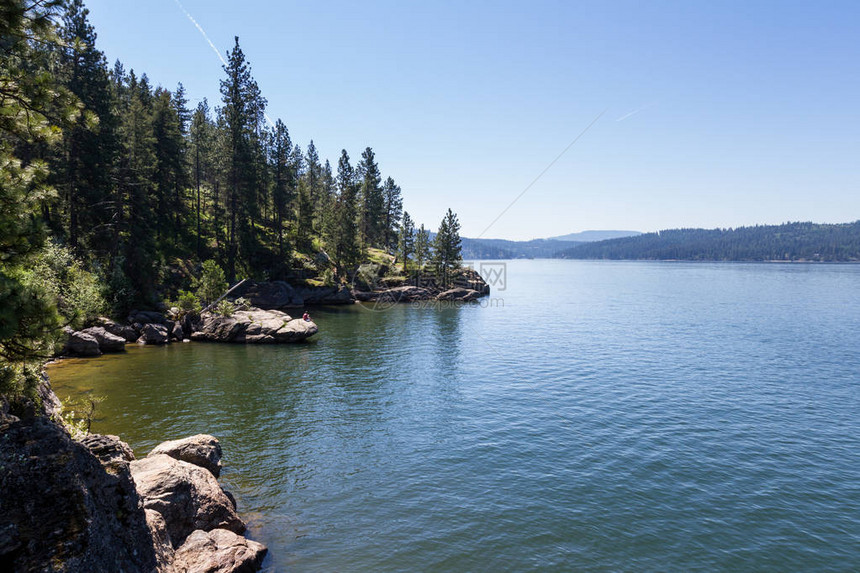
(634, 112)
(212, 45)
(202, 31)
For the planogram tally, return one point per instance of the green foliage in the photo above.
(422, 247)
(62, 277)
(80, 415)
(406, 242)
(242, 303)
(225, 308)
(447, 249)
(211, 283)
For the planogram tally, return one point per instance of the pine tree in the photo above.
(392, 210)
(406, 242)
(31, 96)
(447, 248)
(284, 176)
(370, 199)
(422, 248)
(200, 143)
(85, 169)
(342, 232)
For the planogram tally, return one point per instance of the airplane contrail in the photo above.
(634, 112)
(212, 45)
(202, 31)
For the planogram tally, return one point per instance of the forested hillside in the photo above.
(787, 242)
(114, 192)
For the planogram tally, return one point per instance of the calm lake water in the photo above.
(597, 416)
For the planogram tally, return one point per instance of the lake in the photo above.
(592, 416)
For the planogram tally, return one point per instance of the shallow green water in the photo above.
(596, 416)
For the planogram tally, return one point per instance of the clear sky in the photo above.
(717, 114)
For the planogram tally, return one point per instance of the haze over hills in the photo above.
(590, 236)
(786, 242)
(535, 248)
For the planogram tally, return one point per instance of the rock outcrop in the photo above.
(459, 294)
(188, 497)
(124, 331)
(82, 506)
(81, 344)
(201, 450)
(219, 551)
(107, 341)
(277, 295)
(396, 294)
(153, 333)
(254, 326)
(61, 509)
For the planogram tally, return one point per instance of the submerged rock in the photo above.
(187, 496)
(201, 450)
(253, 326)
(219, 551)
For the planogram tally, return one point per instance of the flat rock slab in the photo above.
(254, 326)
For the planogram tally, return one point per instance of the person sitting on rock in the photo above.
(306, 317)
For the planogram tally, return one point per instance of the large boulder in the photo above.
(153, 334)
(272, 295)
(124, 331)
(61, 509)
(187, 496)
(201, 450)
(82, 344)
(253, 326)
(160, 541)
(174, 330)
(219, 551)
(107, 342)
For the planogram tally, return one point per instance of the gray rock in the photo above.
(396, 294)
(253, 326)
(108, 449)
(153, 334)
(176, 332)
(160, 541)
(459, 294)
(188, 497)
(126, 332)
(201, 450)
(107, 342)
(62, 510)
(219, 551)
(82, 344)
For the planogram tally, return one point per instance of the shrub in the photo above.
(211, 284)
(242, 303)
(225, 308)
(62, 277)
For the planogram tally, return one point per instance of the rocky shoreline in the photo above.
(88, 505)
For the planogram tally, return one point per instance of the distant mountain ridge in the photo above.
(591, 236)
(476, 249)
(787, 242)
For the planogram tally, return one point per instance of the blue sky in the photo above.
(715, 114)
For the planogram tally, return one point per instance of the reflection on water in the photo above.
(607, 416)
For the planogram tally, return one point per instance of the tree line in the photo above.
(115, 190)
(786, 242)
